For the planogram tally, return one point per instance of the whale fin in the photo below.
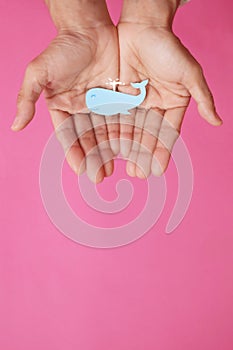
(140, 85)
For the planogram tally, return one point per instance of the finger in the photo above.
(201, 93)
(148, 143)
(66, 134)
(101, 135)
(35, 79)
(87, 140)
(168, 134)
(113, 128)
(126, 132)
(137, 134)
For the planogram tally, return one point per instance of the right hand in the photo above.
(73, 63)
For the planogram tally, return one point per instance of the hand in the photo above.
(75, 61)
(154, 52)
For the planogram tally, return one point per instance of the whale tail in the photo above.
(140, 85)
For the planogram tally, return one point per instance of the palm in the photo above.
(158, 55)
(76, 63)
(81, 63)
(174, 75)
(70, 65)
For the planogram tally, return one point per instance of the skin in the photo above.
(78, 59)
(84, 54)
(149, 49)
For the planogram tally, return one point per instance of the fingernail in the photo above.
(130, 169)
(219, 120)
(140, 173)
(16, 123)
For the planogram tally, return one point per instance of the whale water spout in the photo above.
(107, 102)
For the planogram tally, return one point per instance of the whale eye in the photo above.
(93, 96)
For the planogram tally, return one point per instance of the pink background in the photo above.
(161, 292)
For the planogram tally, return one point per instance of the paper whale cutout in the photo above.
(108, 102)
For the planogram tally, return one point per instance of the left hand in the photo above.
(155, 53)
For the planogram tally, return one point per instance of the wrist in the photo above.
(75, 15)
(152, 12)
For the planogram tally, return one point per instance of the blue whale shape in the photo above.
(108, 102)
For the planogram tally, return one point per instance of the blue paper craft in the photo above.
(107, 102)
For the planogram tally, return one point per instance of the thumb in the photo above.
(201, 93)
(35, 79)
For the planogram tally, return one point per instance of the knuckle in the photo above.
(198, 68)
(137, 131)
(30, 70)
(126, 135)
(113, 134)
(100, 131)
(87, 135)
(20, 97)
(36, 71)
